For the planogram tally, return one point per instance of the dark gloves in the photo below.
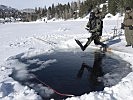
(87, 28)
(131, 27)
(91, 31)
(130, 17)
(122, 26)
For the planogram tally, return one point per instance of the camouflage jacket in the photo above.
(128, 19)
(95, 25)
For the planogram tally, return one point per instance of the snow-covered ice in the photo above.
(35, 38)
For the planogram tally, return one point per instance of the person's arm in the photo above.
(128, 16)
(125, 18)
(131, 20)
(88, 26)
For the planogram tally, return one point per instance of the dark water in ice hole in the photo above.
(74, 72)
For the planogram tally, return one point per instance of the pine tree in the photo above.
(112, 6)
(53, 11)
(49, 13)
(104, 9)
(128, 3)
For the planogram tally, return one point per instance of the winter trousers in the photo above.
(129, 36)
(96, 39)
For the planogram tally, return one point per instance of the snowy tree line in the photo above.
(82, 8)
(59, 11)
(70, 10)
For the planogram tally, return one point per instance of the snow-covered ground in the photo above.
(35, 38)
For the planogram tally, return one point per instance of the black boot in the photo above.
(128, 45)
(79, 43)
(104, 46)
(87, 43)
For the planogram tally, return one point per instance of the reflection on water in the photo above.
(71, 72)
(95, 72)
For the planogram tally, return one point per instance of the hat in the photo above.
(128, 8)
(96, 10)
(92, 15)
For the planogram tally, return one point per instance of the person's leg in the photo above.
(89, 41)
(79, 43)
(97, 42)
(131, 37)
(127, 37)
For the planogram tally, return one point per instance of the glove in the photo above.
(87, 25)
(87, 28)
(130, 17)
(91, 31)
(122, 26)
(131, 27)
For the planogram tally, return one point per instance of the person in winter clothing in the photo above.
(127, 25)
(94, 26)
